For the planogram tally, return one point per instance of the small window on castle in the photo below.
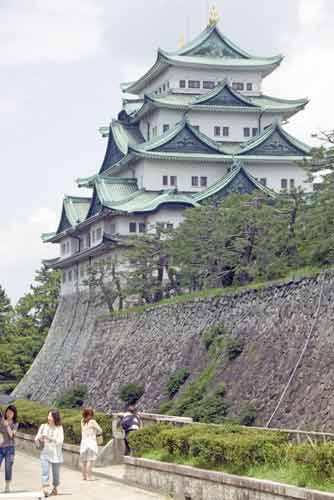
(98, 234)
(67, 249)
(182, 84)
(194, 84)
(133, 227)
(76, 274)
(249, 86)
(263, 181)
(292, 184)
(70, 276)
(62, 249)
(164, 87)
(238, 85)
(208, 84)
(142, 227)
(255, 131)
(168, 85)
(194, 181)
(82, 271)
(155, 131)
(204, 181)
(226, 131)
(246, 132)
(173, 180)
(93, 236)
(112, 228)
(170, 225)
(217, 131)
(88, 240)
(165, 180)
(284, 183)
(165, 127)
(64, 277)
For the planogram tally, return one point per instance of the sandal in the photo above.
(54, 492)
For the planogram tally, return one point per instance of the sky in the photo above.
(61, 63)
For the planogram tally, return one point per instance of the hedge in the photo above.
(212, 446)
(31, 415)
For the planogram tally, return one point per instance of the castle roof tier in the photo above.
(211, 49)
(222, 98)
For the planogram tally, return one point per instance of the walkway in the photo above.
(27, 479)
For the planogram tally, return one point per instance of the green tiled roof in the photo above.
(76, 209)
(114, 189)
(186, 102)
(224, 182)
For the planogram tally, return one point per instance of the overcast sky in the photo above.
(61, 63)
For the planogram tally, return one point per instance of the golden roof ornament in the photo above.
(182, 42)
(213, 16)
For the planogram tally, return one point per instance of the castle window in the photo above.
(238, 85)
(165, 127)
(82, 271)
(112, 228)
(170, 225)
(207, 84)
(263, 181)
(249, 86)
(292, 184)
(226, 131)
(194, 181)
(155, 131)
(284, 183)
(164, 87)
(70, 276)
(255, 131)
(67, 246)
(76, 274)
(98, 234)
(168, 85)
(217, 131)
(64, 277)
(173, 180)
(204, 181)
(132, 227)
(141, 227)
(93, 236)
(88, 240)
(165, 180)
(182, 84)
(194, 84)
(63, 249)
(246, 132)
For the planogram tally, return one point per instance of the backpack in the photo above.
(130, 422)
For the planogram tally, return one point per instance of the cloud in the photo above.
(44, 31)
(21, 249)
(305, 72)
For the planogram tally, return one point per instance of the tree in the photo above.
(5, 312)
(150, 274)
(104, 281)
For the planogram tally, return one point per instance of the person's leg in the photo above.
(84, 470)
(9, 460)
(89, 468)
(45, 475)
(55, 478)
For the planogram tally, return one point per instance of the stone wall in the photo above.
(147, 348)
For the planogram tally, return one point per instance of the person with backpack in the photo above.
(8, 429)
(130, 422)
(91, 436)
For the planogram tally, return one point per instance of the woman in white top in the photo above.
(90, 429)
(50, 438)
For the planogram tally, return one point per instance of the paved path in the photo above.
(27, 478)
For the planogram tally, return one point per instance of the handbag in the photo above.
(40, 444)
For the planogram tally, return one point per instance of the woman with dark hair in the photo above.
(8, 428)
(49, 439)
(90, 429)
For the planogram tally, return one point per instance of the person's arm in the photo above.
(39, 436)
(97, 428)
(8, 429)
(60, 435)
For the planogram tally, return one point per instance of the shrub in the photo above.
(147, 439)
(248, 416)
(211, 336)
(7, 387)
(186, 404)
(131, 393)
(73, 398)
(233, 348)
(32, 415)
(212, 409)
(318, 458)
(176, 381)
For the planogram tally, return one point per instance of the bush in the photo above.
(319, 459)
(32, 415)
(147, 439)
(233, 348)
(248, 416)
(176, 381)
(213, 408)
(7, 387)
(73, 398)
(211, 336)
(131, 393)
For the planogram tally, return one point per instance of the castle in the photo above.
(196, 128)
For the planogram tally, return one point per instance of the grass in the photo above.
(303, 273)
(288, 473)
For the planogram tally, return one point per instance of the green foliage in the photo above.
(147, 438)
(5, 313)
(176, 381)
(248, 416)
(73, 398)
(28, 324)
(32, 415)
(212, 335)
(131, 393)
(233, 348)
